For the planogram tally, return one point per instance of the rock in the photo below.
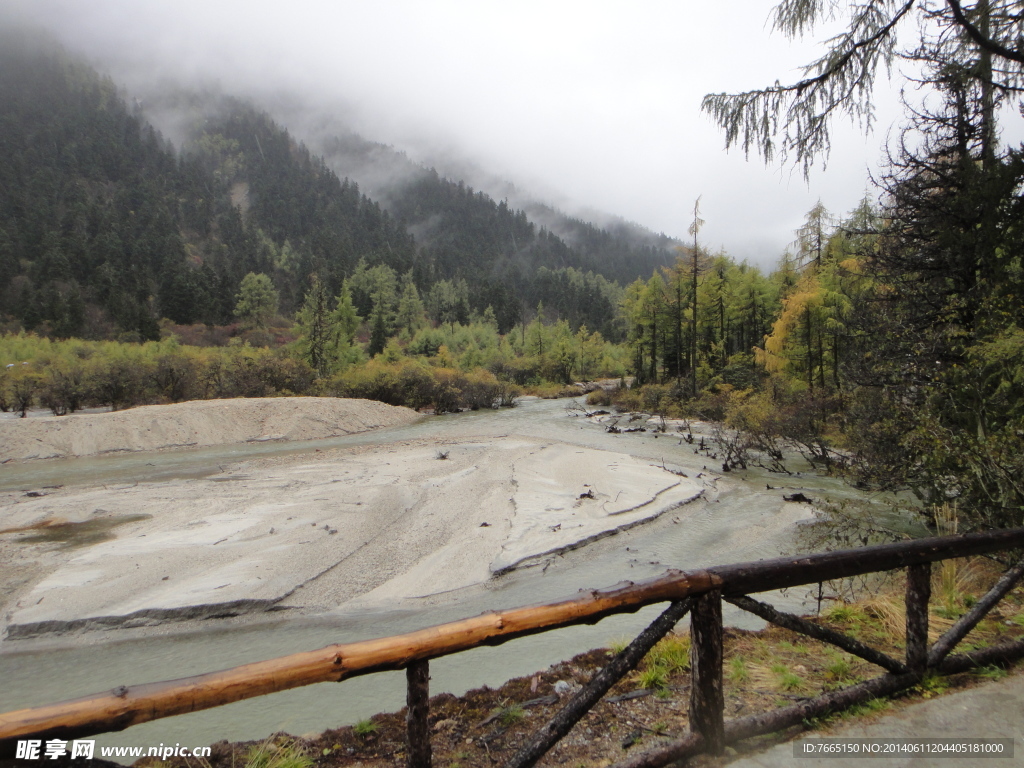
(638, 694)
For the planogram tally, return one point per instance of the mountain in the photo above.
(446, 213)
(106, 227)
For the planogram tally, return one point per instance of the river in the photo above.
(737, 520)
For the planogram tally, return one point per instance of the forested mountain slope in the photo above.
(450, 218)
(105, 227)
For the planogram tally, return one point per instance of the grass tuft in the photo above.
(991, 672)
(786, 679)
(271, 754)
(738, 672)
(869, 707)
(619, 645)
(653, 676)
(672, 653)
(364, 728)
(511, 715)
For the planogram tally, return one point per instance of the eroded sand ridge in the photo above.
(352, 528)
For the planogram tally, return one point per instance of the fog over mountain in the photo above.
(590, 107)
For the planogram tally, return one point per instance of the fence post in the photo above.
(919, 591)
(417, 728)
(707, 699)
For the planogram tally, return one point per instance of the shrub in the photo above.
(519, 370)
(262, 373)
(480, 389)
(64, 389)
(18, 388)
(508, 393)
(627, 400)
(176, 377)
(120, 381)
(447, 395)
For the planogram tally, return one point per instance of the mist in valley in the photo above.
(592, 110)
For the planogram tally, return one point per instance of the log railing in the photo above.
(699, 593)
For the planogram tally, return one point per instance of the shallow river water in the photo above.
(738, 520)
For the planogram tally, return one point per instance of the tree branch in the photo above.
(983, 40)
(843, 82)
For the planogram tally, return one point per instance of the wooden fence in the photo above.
(699, 593)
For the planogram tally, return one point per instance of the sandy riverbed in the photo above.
(354, 528)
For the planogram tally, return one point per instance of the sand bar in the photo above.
(193, 425)
(356, 528)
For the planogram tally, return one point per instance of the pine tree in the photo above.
(314, 319)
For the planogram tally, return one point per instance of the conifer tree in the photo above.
(314, 320)
(257, 301)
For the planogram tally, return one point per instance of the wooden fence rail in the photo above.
(699, 592)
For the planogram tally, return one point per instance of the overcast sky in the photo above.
(588, 103)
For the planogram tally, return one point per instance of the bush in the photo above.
(261, 373)
(518, 370)
(19, 386)
(508, 393)
(661, 399)
(481, 389)
(627, 400)
(65, 389)
(713, 405)
(447, 395)
(120, 381)
(176, 377)
(406, 383)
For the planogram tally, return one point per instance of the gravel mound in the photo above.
(194, 424)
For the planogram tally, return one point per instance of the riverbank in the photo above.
(735, 519)
(764, 670)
